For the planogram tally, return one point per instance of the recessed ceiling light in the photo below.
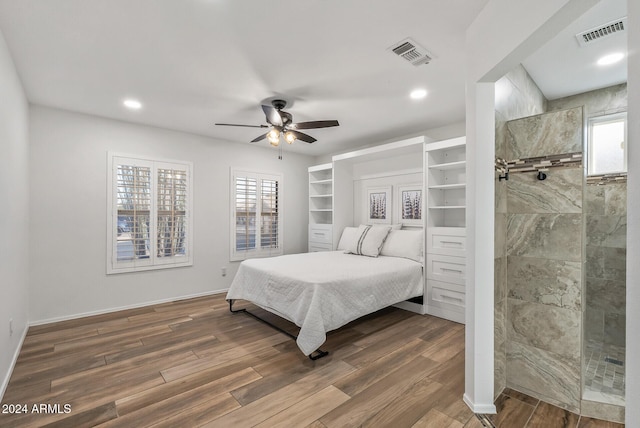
(417, 94)
(132, 104)
(610, 59)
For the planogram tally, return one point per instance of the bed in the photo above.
(323, 291)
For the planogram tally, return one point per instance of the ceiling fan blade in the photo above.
(246, 126)
(262, 137)
(315, 124)
(302, 137)
(273, 116)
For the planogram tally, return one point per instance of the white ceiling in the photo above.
(196, 62)
(562, 68)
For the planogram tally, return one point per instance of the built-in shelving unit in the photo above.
(445, 164)
(321, 207)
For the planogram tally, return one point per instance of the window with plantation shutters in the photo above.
(149, 219)
(256, 229)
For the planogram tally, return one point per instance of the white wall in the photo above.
(68, 163)
(14, 213)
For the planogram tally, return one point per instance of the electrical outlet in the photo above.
(224, 271)
(10, 326)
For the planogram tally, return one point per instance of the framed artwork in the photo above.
(378, 200)
(410, 205)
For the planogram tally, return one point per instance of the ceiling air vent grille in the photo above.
(411, 52)
(587, 37)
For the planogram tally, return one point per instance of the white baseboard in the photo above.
(485, 409)
(123, 308)
(7, 378)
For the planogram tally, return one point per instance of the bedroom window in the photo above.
(608, 144)
(256, 229)
(149, 218)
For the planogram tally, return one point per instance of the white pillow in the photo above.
(370, 240)
(349, 236)
(404, 243)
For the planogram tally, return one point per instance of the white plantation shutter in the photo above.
(149, 219)
(269, 213)
(256, 218)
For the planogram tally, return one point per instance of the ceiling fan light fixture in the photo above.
(289, 137)
(274, 137)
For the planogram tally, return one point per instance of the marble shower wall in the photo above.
(596, 103)
(544, 224)
(606, 256)
(517, 96)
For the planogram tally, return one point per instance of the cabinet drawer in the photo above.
(315, 247)
(446, 240)
(320, 234)
(448, 297)
(446, 268)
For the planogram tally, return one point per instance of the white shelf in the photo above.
(445, 177)
(448, 166)
(448, 186)
(320, 207)
(326, 181)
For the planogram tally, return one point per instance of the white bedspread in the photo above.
(322, 291)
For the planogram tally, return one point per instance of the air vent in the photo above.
(585, 38)
(411, 52)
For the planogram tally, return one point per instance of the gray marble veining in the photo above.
(550, 236)
(544, 327)
(606, 295)
(594, 324)
(606, 263)
(500, 235)
(500, 279)
(550, 282)
(594, 199)
(548, 376)
(545, 134)
(607, 231)
(499, 344)
(613, 98)
(615, 199)
(561, 192)
(615, 329)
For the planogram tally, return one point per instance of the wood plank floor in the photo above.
(193, 363)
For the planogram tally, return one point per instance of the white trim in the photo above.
(485, 409)
(380, 151)
(446, 144)
(124, 308)
(14, 360)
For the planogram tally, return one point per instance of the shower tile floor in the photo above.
(604, 373)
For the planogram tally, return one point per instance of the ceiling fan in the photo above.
(281, 124)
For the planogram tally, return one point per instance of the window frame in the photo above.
(153, 262)
(234, 254)
(600, 119)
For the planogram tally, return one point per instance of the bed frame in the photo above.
(315, 355)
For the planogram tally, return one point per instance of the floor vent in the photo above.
(411, 52)
(585, 38)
